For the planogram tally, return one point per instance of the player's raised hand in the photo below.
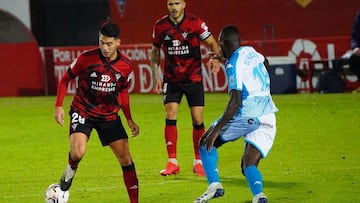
(59, 115)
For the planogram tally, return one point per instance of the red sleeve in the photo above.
(156, 38)
(62, 88)
(73, 70)
(124, 100)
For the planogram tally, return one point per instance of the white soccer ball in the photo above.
(54, 194)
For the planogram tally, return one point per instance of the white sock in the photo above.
(173, 160)
(196, 161)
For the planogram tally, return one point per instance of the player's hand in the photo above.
(59, 115)
(356, 51)
(208, 138)
(214, 62)
(158, 87)
(134, 128)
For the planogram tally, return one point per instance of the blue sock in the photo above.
(210, 164)
(254, 179)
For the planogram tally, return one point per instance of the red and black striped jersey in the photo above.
(99, 84)
(181, 45)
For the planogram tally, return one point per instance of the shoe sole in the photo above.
(168, 174)
(262, 200)
(199, 174)
(219, 193)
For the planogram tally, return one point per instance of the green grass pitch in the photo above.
(315, 157)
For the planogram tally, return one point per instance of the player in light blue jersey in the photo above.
(250, 113)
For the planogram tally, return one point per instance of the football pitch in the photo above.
(315, 157)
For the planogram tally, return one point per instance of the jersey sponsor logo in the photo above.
(178, 50)
(105, 78)
(176, 43)
(103, 86)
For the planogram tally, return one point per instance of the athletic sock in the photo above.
(131, 182)
(171, 137)
(210, 164)
(173, 160)
(197, 161)
(73, 164)
(254, 179)
(198, 131)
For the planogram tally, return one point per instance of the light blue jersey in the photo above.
(246, 72)
(255, 119)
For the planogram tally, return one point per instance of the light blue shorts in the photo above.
(260, 132)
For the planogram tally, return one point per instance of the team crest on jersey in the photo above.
(184, 34)
(118, 76)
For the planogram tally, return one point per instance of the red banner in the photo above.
(59, 58)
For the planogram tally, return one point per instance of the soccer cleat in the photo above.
(259, 198)
(66, 178)
(213, 191)
(262, 200)
(198, 169)
(170, 169)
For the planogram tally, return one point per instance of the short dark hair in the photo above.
(230, 32)
(110, 30)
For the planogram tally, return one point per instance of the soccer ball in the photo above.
(54, 194)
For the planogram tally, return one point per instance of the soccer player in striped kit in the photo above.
(180, 35)
(250, 113)
(103, 78)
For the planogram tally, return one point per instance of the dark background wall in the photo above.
(288, 18)
(67, 22)
(74, 22)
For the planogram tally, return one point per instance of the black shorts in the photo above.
(194, 93)
(354, 63)
(108, 131)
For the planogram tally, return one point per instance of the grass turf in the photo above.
(315, 157)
